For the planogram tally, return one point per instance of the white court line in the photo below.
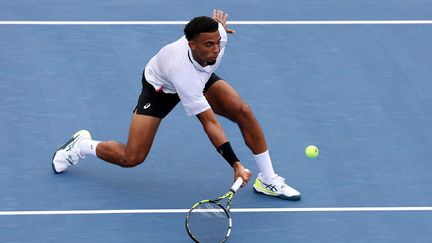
(235, 210)
(294, 22)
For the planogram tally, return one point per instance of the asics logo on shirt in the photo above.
(147, 105)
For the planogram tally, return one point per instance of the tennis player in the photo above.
(185, 71)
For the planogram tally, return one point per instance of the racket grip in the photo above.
(237, 184)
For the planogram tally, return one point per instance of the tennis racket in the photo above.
(209, 220)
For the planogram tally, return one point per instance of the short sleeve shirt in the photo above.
(173, 70)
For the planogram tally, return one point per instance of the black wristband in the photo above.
(227, 152)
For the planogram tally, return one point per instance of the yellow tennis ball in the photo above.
(311, 151)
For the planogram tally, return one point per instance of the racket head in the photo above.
(208, 221)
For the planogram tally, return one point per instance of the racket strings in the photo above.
(208, 222)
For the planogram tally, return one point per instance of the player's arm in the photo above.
(212, 127)
(195, 103)
(217, 136)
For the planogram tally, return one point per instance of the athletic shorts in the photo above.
(159, 104)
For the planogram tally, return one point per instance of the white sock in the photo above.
(265, 165)
(88, 147)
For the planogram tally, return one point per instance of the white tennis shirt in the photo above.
(173, 70)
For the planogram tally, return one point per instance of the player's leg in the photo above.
(152, 107)
(141, 135)
(225, 101)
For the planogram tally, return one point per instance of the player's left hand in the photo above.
(222, 17)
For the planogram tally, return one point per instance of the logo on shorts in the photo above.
(147, 105)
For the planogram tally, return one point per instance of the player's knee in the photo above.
(244, 113)
(130, 161)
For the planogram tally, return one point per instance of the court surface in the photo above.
(361, 92)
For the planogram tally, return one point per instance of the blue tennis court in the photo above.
(360, 92)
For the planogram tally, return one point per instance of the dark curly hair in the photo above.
(197, 25)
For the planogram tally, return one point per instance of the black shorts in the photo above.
(159, 104)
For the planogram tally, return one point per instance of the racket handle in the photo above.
(237, 184)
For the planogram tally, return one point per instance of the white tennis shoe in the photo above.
(68, 154)
(275, 187)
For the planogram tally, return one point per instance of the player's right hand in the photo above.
(240, 171)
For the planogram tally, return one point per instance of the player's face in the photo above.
(206, 47)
